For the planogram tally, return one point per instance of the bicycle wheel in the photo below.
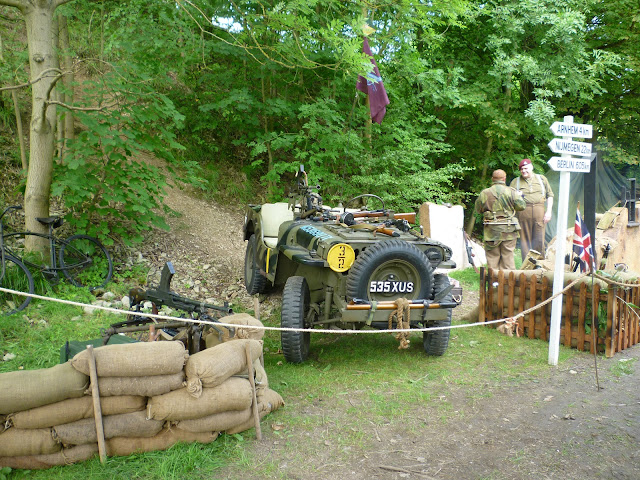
(85, 262)
(16, 277)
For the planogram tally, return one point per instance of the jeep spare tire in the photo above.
(390, 270)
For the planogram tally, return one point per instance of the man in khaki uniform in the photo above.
(498, 205)
(534, 218)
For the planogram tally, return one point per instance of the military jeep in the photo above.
(345, 268)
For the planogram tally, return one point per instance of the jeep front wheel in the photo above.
(295, 310)
(253, 279)
(390, 270)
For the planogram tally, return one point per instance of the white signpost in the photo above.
(563, 145)
(572, 129)
(564, 164)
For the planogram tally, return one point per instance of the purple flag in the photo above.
(372, 85)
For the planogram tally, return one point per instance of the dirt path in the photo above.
(560, 428)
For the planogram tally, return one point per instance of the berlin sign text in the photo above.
(569, 164)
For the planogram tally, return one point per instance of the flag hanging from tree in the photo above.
(372, 85)
(582, 244)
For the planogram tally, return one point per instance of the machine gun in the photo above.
(162, 295)
(309, 199)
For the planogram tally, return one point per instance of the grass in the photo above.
(350, 383)
(624, 366)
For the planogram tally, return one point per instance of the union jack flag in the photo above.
(582, 244)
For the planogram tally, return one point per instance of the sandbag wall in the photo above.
(152, 395)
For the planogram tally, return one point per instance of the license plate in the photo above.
(390, 287)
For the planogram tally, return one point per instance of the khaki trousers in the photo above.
(500, 257)
(532, 228)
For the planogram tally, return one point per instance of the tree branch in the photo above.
(42, 75)
(79, 109)
(21, 4)
(57, 3)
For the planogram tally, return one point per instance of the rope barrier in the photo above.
(315, 330)
(233, 325)
(550, 299)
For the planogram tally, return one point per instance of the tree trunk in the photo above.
(38, 17)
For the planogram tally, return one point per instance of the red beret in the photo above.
(524, 162)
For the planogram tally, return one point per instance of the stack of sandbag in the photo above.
(144, 368)
(152, 395)
(44, 392)
(218, 395)
(52, 421)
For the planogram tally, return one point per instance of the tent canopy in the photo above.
(609, 185)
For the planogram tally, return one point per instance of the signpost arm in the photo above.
(558, 272)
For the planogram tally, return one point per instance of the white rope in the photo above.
(310, 330)
(234, 325)
(629, 305)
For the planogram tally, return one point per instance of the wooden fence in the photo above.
(504, 294)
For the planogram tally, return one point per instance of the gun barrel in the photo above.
(409, 217)
(173, 300)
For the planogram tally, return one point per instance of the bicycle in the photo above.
(14, 275)
(81, 259)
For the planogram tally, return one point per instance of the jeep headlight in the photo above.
(341, 257)
(434, 255)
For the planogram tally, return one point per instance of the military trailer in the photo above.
(345, 268)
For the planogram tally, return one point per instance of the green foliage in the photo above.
(252, 90)
(107, 186)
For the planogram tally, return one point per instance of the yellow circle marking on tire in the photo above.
(341, 257)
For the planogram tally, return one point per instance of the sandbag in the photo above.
(271, 401)
(73, 409)
(218, 422)
(221, 334)
(124, 446)
(149, 386)
(212, 366)
(234, 394)
(124, 425)
(36, 441)
(25, 389)
(134, 359)
(66, 456)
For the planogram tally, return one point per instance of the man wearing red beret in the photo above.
(534, 218)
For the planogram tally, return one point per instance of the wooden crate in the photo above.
(504, 294)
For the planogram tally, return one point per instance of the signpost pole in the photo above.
(558, 272)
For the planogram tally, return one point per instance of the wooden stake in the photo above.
(97, 409)
(256, 307)
(256, 416)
